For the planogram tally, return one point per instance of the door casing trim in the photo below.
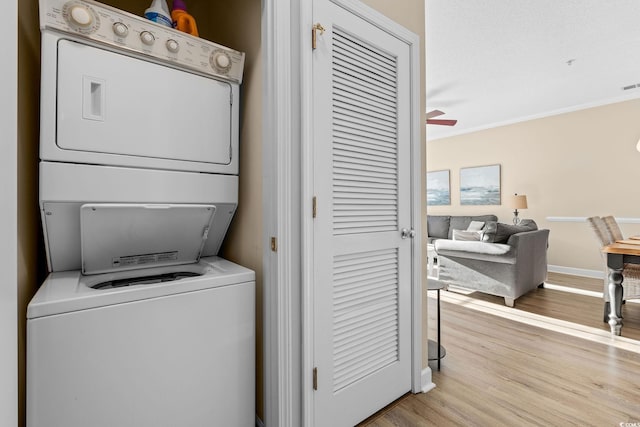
(288, 189)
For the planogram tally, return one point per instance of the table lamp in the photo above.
(517, 202)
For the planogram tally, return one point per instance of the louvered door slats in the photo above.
(364, 157)
(346, 93)
(357, 49)
(346, 104)
(371, 88)
(364, 123)
(371, 120)
(365, 314)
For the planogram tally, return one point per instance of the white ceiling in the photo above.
(494, 62)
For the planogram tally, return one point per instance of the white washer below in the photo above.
(177, 353)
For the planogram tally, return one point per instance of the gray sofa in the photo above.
(506, 260)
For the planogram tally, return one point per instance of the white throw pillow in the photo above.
(475, 226)
(467, 235)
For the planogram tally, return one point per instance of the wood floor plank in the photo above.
(501, 372)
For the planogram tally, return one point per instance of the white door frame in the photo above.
(287, 195)
(8, 218)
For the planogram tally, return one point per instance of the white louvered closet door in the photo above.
(362, 265)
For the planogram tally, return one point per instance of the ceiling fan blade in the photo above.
(443, 122)
(434, 113)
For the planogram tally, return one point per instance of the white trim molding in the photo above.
(287, 98)
(611, 100)
(9, 217)
(307, 162)
(596, 274)
(413, 41)
(584, 218)
(426, 381)
(281, 279)
(421, 380)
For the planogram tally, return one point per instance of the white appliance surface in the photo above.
(167, 354)
(66, 187)
(138, 185)
(98, 90)
(105, 106)
(127, 236)
(104, 25)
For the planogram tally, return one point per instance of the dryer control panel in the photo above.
(111, 26)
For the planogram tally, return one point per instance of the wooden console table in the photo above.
(619, 254)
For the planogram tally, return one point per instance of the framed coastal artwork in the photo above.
(438, 188)
(480, 185)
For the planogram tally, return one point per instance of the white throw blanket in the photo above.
(472, 246)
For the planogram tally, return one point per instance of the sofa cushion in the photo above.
(497, 232)
(438, 226)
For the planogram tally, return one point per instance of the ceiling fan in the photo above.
(444, 122)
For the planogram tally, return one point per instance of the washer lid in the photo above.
(117, 236)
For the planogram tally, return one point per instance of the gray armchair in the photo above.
(507, 270)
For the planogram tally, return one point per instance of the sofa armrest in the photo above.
(535, 241)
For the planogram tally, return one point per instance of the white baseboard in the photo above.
(427, 383)
(596, 274)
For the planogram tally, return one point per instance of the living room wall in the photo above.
(571, 165)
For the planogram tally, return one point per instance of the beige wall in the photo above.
(576, 164)
(243, 243)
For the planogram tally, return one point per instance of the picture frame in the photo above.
(480, 185)
(438, 188)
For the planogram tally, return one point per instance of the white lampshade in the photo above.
(638, 145)
(517, 201)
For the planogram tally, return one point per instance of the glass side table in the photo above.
(435, 350)
(431, 257)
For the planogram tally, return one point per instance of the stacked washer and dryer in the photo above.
(139, 323)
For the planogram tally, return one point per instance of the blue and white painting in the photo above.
(480, 185)
(438, 189)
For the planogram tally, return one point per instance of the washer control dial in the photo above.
(120, 29)
(173, 46)
(81, 17)
(147, 38)
(220, 61)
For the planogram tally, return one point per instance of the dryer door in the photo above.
(120, 110)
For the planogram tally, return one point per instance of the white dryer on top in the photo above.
(109, 98)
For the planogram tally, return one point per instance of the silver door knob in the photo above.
(405, 232)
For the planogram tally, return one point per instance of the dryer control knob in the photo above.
(173, 46)
(80, 15)
(222, 61)
(120, 29)
(147, 38)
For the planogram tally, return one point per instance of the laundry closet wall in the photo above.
(31, 260)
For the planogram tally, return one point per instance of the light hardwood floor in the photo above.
(554, 365)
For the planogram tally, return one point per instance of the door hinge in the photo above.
(314, 207)
(314, 29)
(315, 378)
(274, 244)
